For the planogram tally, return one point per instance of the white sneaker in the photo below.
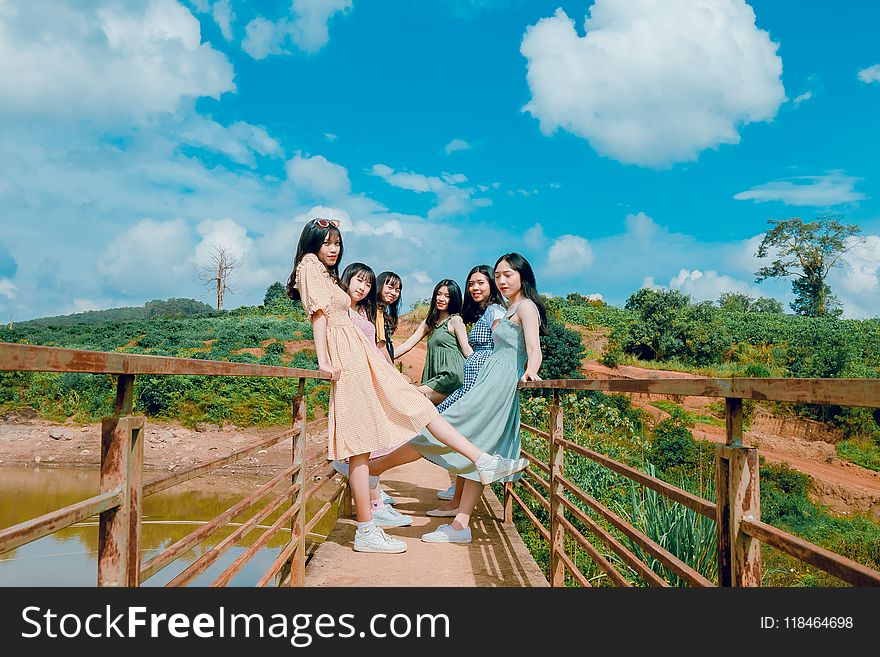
(386, 498)
(342, 468)
(442, 513)
(374, 539)
(497, 467)
(448, 534)
(388, 516)
(447, 494)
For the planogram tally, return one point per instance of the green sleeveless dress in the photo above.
(444, 364)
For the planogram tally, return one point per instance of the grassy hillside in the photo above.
(276, 336)
(157, 309)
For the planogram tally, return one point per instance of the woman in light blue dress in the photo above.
(489, 412)
(483, 309)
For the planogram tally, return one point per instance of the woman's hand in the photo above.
(530, 376)
(332, 370)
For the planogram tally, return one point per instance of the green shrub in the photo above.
(673, 445)
(562, 352)
(860, 451)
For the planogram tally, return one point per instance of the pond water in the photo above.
(69, 557)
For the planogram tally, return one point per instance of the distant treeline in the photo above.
(156, 309)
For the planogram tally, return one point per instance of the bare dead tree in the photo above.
(218, 271)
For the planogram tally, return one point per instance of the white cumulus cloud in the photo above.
(318, 176)
(223, 16)
(870, 74)
(830, 189)
(706, 286)
(456, 145)
(104, 61)
(568, 255)
(7, 288)
(150, 257)
(804, 97)
(306, 26)
(653, 83)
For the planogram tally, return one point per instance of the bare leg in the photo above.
(442, 431)
(449, 436)
(400, 456)
(358, 479)
(469, 497)
(455, 502)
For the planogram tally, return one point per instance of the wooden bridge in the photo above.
(497, 557)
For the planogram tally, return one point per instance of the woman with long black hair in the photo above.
(447, 343)
(389, 287)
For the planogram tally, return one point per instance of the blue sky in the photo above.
(616, 143)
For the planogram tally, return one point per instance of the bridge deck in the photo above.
(497, 555)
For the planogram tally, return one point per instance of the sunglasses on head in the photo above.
(324, 223)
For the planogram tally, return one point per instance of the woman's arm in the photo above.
(528, 315)
(319, 331)
(456, 327)
(412, 341)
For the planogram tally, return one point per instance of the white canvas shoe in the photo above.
(386, 498)
(388, 516)
(374, 539)
(493, 468)
(448, 534)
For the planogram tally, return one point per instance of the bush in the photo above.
(784, 495)
(673, 445)
(612, 355)
(562, 351)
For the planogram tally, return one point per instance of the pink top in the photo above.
(360, 320)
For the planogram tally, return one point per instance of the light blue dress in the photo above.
(488, 415)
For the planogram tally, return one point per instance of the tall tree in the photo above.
(218, 271)
(808, 251)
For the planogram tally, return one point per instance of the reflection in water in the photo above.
(69, 557)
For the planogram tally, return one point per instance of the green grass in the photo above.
(690, 419)
(861, 451)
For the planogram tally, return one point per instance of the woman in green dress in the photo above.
(447, 343)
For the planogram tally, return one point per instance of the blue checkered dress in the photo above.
(480, 339)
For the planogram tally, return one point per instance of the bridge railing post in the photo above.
(557, 464)
(122, 460)
(738, 497)
(298, 522)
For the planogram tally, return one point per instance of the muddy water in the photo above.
(69, 557)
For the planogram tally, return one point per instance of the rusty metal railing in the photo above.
(736, 510)
(119, 503)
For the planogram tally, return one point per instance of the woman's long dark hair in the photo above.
(529, 287)
(392, 311)
(368, 303)
(454, 306)
(310, 241)
(471, 311)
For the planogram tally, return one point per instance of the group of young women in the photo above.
(465, 414)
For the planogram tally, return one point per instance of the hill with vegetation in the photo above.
(156, 309)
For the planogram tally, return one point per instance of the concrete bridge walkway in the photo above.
(497, 555)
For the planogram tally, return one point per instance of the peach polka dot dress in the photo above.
(372, 407)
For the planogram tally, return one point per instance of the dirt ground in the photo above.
(27, 441)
